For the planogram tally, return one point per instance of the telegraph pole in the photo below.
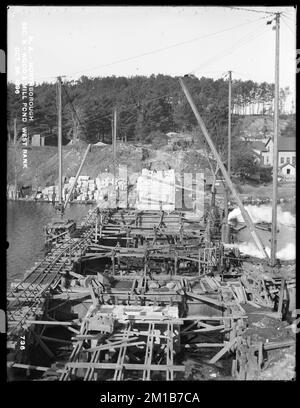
(15, 145)
(229, 123)
(226, 190)
(59, 142)
(275, 147)
(114, 147)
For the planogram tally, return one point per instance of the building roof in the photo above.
(285, 144)
(287, 164)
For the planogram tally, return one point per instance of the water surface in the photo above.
(25, 222)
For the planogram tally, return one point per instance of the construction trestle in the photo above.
(121, 295)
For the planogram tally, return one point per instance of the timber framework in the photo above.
(126, 295)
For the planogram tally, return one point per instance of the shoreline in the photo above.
(32, 200)
(246, 201)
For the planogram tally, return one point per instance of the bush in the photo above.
(265, 174)
(157, 138)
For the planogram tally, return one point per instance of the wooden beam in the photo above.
(50, 322)
(206, 329)
(281, 296)
(30, 367)
(206, 299)
(224, 350)
(115, 346)
(206, 345)
(113, 366)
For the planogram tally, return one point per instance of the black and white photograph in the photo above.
(151, 195)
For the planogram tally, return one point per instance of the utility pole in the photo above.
(226, 190)
(229, 124)
(114, 147)
(244, 212)
(275, 147)
(59, 141)
(15, 144)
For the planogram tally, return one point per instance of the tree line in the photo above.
(144, 105)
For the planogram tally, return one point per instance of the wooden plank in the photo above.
(205, 299)
(275, 345)
(202, 317)
(115, 346)
(122, 353)
(50, 323)
(281, 296)
(149, 352)
(260, 354)
(206, 329)
(206, 345)
(30, 367)
(113, 366)
(253, 304)
(224, 350)
(94, 299)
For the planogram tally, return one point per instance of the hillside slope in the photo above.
(42, 168)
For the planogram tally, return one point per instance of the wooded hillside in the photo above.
(144, 105)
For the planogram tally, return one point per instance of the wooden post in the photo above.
(275, 149)
(59, 141)
(15, 145)
(229, 125)
(281, 295)
(114, 149)
(96, 230)
(113, 263)
(226, 191)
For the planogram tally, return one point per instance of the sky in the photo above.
(138, 40)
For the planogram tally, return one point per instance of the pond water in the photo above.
(25, 222)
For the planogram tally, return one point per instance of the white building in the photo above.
(288, 171)
(286, 152)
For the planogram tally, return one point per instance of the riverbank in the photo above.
(286, 190)
(33, 200)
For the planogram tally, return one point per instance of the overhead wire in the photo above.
(253, 11)
(158, 49)
(250, 36)
(245, 40)
(95, 117)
